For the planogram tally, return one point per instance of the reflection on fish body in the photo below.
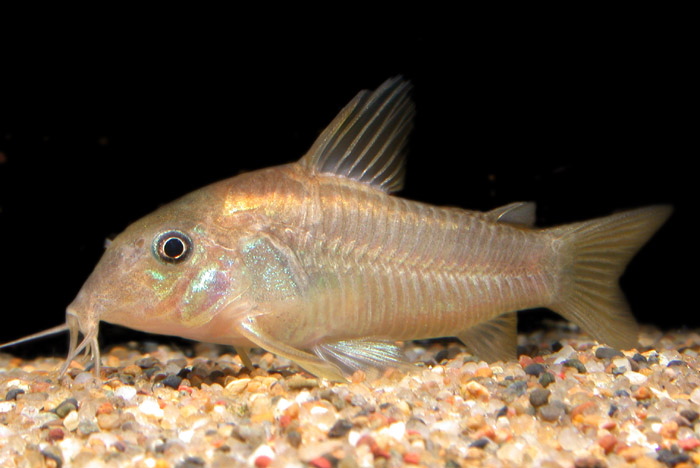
(316, 261)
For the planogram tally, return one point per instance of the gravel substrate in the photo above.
(567, 402)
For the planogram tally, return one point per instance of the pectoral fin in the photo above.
(494, 340)
(245, 358)
(252, 330)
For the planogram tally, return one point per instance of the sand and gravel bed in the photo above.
(567, 402)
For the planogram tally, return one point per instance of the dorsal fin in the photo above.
(366, 140)
(518, 213)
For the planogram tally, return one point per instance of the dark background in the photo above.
(585, 119)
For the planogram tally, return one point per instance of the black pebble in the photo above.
(54, 454)
(502, 412)
(340, 428)
(12, 393)
(576, 364)
(546, 379)
(639, 358)
(607, 353)
(672, 457)
(689, 414)
(480, 443)
(676, 362)
(172, 381)
(191, 462)
(534, 369)
(441, 355)
(612, 410)
(147, 362)
(556, 346)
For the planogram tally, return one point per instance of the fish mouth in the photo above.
(89, 330)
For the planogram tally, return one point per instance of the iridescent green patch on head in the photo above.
(206, 290)
(161, 284)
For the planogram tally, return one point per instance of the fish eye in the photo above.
(172, 246)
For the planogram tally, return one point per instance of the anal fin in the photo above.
(494, 340)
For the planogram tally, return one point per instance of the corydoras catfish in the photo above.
(318, 262)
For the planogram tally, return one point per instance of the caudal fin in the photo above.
(593, 255)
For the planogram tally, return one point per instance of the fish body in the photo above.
(318, 262)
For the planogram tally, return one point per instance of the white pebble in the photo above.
(186, 435)
(448, 427)
(621, 363)
(512, 452)
(695, 396)
(635, 378)
(7, 406)
(127, 392)
(5, 432)
(571, 439)
(396, 430)
(16, 383)
(71, 421)
(282, 404)
(563, 354)
(354, 437)
(303, 397)
(150, 406)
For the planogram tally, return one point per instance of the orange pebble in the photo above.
(642, 393)
(691, 443)
(669, 430)
(607, 443)
(263, 461)
(580, 409)
(105, 408)
(411, 458)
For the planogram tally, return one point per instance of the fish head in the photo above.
(171, 272)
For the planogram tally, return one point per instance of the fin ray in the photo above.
(367, 139)
(494, 340)
(595, 254)
(361, 354)
(518, 213)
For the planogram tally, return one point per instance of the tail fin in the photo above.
(593, 256)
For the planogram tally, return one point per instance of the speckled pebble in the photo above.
(552, 411)
(340, 428)
(87, 427)
(66, 407)
(539, 397)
